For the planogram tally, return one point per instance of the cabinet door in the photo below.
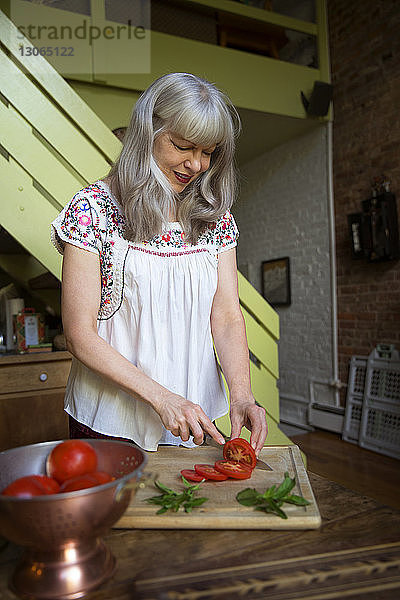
(32, 417)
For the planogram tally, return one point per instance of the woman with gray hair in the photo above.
(150, 281)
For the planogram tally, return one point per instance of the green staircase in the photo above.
(52, 145)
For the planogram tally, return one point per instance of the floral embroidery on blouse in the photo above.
(173, 238)
(164, 254)
(92, 220)
(219, 235)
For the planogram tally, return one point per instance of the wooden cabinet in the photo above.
(32, 388)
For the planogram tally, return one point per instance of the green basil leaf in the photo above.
(196, 486)
(192, 486)
(273, 510)
(156, 500)
(277, 504)
(286, 486)
(276, 508)
(273, 498)
(269, 492)
(171, 500)
(248, 497)
(163, 487)
(298, 500)
(198, 501)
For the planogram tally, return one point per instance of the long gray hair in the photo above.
(196, 110)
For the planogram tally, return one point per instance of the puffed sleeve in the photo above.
(226, 232)
(80, 223)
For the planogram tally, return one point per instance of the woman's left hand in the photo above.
(246, 413)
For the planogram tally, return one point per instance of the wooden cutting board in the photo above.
(222, 511)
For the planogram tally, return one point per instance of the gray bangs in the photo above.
(204, 127)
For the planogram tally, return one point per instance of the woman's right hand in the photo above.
(184, 418)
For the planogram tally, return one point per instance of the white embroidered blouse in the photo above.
(156, 299)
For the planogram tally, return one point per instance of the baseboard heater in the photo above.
(326, 417)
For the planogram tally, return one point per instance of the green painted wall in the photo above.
(252, 81)
(112, 105)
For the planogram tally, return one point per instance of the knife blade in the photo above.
(260, 464)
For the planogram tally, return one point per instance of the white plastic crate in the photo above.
(380, 419)
(354, 400)
(380, 428)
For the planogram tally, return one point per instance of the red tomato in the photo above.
(102, 477)
(51, 485)
(191, 475)
(209, 472)
(30, 486)
(70, 459)
(81, 482)
(233, 469)
(239, 450)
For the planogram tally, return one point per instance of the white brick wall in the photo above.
(283, 211)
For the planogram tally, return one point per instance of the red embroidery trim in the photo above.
(167, 253)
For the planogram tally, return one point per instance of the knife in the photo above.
(260, 464)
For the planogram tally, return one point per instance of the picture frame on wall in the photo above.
(275, 278)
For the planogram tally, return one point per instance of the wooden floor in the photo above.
(367, 472)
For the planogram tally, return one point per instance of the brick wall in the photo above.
(283, 211)
(365, 61)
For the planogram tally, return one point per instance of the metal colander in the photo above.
(65, 556)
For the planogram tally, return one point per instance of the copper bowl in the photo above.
(65, 556)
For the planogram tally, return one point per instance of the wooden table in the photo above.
(355, 554)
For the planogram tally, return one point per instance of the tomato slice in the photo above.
(240, 450)
(233, 469)
(210, 472)
(191, 475)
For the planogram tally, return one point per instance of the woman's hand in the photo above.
(246, 413)
(184, 418)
